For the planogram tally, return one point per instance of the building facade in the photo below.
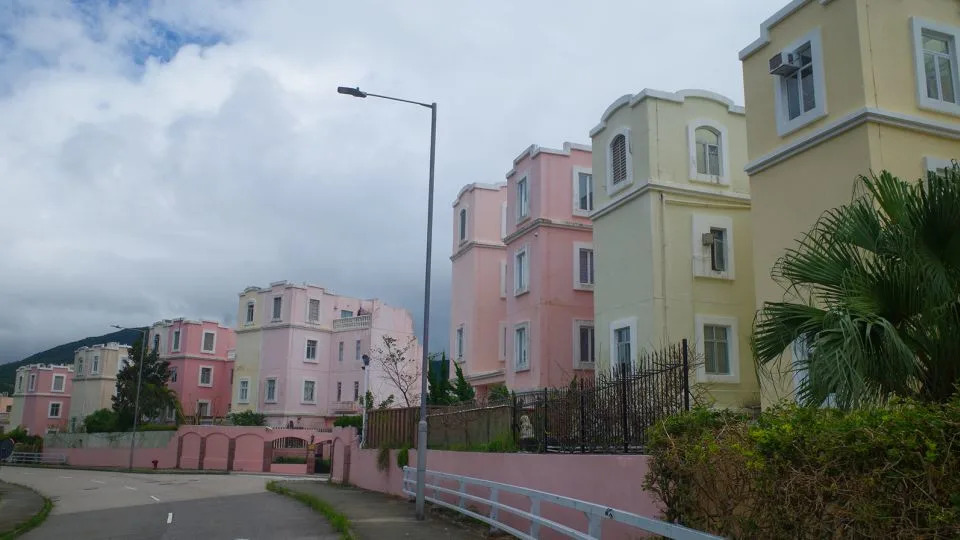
(6, 406)
(41, 398)
(94, 384)
(200, 353)
(672, 238)
(299, 354)
(834, 90)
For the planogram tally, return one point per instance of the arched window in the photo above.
(708, 151)
(618, 158)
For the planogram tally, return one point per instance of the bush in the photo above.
(24, 442)
(157, 427)
(383, 458)
(795, 472)
(101, 421)
(289, 459)
(248, 418)
(403, 457)
(349, 421)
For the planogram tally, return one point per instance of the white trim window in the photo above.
(203, 408)
(270, 390)
(310, 354)
(801, 354)
(251, 305)
(340, 352)
(503, 279)
(460, 343)
(209, 343)
(619, 161)
(243, 390)
(176, 341)
(58, 383)
(623, 349)
(582, 191)
(32, 382)
(95, 366)
(936, 61)
(79, 370)
(462, 225)
(523, 198)
(801, 91)
(277, 307)
(313, 310)
(309, 394)
(584, 345)
(583, 271)
(521, 347)
(346, 314)
(938, 166)
(54, 409)
(713, 246)
(708, 152)
(205, 377)
(718, 342)
(19, 387)
(173, 373)
(521, 271)
(356, 391)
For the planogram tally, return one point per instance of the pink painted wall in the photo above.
(476, 304)
(611, 480)
(31, 407)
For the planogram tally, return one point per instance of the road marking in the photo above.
(130, 488)
(154, 498)
(169, 518)
(98, 481)
(66, 477)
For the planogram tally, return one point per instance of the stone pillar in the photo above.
(311, 458)
(231, 452)
(267, 455)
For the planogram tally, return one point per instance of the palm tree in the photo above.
(872, 295)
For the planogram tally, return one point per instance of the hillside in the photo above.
(62, 354)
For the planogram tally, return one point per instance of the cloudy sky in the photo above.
(158, 157)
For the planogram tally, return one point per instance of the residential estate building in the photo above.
(41, 398)
(672, 237)
(478, 304)
(299, 350)
(834, 90)
(6, 405)
(200, 353)
(94, 384)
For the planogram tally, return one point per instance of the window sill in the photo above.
(276, 320)
(619, 186)
(243, 402)
(521, 293)
(936, 105)
(585, 365)
(711, 180)
(521, 369)
(583, 287)
(310, 361)
(308, 402)
(207, 352)
(582, 213)
(722, 379)
(57, 391)
(720, 276)
(521, 219)
(205, 385)
(786, 127)
(268, 402)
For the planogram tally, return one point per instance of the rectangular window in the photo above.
(95, 367)
(277, 304)
(313, 312)
(523, 198)
(356, 390)
(54, 411)
(243, 394)
(460, 344)
(716, 349)
(463, 224)
(521, 348)
(939, 59)
(622, 345)
(19, 387)
(203, 409)
(173, 374)
(271, 391)
(311, 349)
(176, 340)
(358, 350)
(584, 192)
(206, 376)
(309, 395)
(798, 86)
(58, 382)
(209, 342)
(345, 314)
(584, 267)
(718, 250)
(520, 272)
(80, 367)
(586, 344)
(339, 391)
(32, 383)
(250, 306)
(340, 352)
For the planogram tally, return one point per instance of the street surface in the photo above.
(95, 504)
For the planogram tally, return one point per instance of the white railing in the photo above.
(37, 457)
(353, 323)
(350, 406)
(596, 514)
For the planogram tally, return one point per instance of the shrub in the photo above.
(349, 421)
(248, 418)
(24, 442)
(157, 427)
(798, 472)
(383, 458)
(101, 421)
(289, 459)
(403, 457)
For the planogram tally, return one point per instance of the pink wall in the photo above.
(32, 407)
(611, 480)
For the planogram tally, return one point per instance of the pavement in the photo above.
(99, 504)
(17, 504)
(374, 515)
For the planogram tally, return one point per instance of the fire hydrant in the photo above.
(155, 462)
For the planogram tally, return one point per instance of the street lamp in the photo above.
(366, 390)
(136, 403)
(422, 425)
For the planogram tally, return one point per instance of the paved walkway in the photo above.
(17, 504)
(374, 515)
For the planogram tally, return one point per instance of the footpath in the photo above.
(17, 505)
(374, 515)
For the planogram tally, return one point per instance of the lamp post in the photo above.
(136, 403)
(366, 390)
(422, 425)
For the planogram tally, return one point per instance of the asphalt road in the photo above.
(94, 505)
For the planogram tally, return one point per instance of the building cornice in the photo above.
(740, 199)
(475, 244)
(478, 185)
(547, 223)
(534, 150)
(772, 21)
(482, 377)
(680, 96)
(178, 356)
(847, 123)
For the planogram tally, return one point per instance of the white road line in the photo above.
(66, 477)
(154, 498)
(130, 488)
(98, 481)
(169, 518)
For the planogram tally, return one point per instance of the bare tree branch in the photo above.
(400, 370)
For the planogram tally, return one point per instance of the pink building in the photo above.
(522, 307)
(299, 354)
(41, 398)
(201, 363)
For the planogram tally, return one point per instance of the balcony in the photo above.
(346, 407)
(352, 323)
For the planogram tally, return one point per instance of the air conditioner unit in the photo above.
(783, 64)
(707, 239)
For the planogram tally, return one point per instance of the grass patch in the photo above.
(31, 523)
(338, 520)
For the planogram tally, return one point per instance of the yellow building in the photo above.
(672, 237)
(834, 89)
(95, 372)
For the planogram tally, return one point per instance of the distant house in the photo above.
(95, 370)
(41, 398)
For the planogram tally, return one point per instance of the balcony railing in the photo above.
(346, 406)
(353, 323)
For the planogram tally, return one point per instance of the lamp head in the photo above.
(366, 361)
(355, 92)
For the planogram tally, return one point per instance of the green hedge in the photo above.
(812, 473)
(289, 459)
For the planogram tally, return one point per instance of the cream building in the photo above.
(672, 236)
(95, 371)
(835, 89)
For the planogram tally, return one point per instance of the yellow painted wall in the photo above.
(247, 362)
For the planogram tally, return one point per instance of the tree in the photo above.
(498, 393)
(248, 418)
(155, 397)
(441, 391)
(462, 389)
(398, 369)
(101, 421)
(871, 297)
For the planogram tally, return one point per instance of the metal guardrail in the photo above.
(596, 514)
(37, 457)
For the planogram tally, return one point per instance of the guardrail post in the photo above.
(494, 511)
(594, 525)
(535, 510)
(463, 489)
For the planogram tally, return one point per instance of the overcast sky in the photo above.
(158, 157)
